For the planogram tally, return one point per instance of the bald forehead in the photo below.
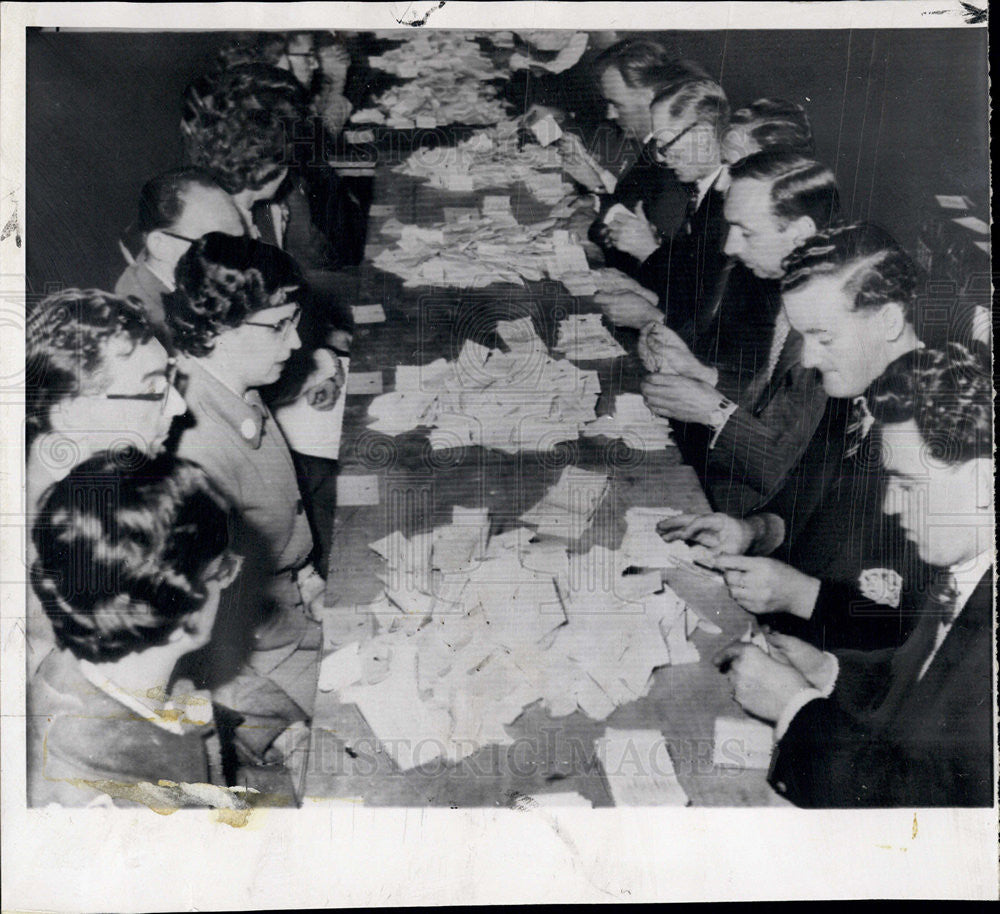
(208, 209)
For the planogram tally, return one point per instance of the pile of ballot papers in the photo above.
(479, 249)
(473, 629)
(632, 421)
(447, 82)
(492, 158)
(583, 338)
(519, 400)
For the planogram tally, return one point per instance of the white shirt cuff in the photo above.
(798, 702)
(720, 417)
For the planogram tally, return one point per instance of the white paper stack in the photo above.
(462, 652)
(584, 338)
(633, 422)
(638, 768)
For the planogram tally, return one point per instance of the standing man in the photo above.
(912, 726)
(747, 387)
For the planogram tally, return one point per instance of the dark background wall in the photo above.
(900, 115)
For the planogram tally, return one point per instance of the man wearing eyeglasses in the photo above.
(688, 120)
(175, 208)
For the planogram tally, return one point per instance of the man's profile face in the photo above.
(849, 347)
(757, 238)
(690, 149)
(627, 105)
(936, 502)
(205, 209)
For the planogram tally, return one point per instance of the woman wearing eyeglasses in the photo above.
(129, 565)
(97, 380)
(234, 318)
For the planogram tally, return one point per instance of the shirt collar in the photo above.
(968, 575)
(245, 414)
(703, 185)
(168, 281)
(168, 717)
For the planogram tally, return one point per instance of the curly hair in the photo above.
(66, 341)
(776, 122)
(875, 270)
(122, 553)
(239, 125)
(222, 280)
(800, 186)
(698, 99)
(947, 394)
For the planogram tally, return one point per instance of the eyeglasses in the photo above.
(178, 237)
(663, 148)
(283, 326)
(163, 382)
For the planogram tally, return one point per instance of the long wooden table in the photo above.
(417, 489)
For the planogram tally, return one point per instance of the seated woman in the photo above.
(130, 565)
(234, 318)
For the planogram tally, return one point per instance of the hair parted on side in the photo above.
(161, 200)
(800, 186)
(122, 553)
(776, 122)
(695, 100)
(222, 280)
(645, 64)
(874, 269)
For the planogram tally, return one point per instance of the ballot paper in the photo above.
(368, 314)
(638, 768)
(447, 81)
(645, 548)
(584, 338)
(460, 653)
(619, 209)
(568, 507)
(520, 400)
(742, 742)
(952, 202)
(568, 45)
(973, 224)
(492, 158)
(546, 130)
(632, 421)
(355, 490)
(312, 431)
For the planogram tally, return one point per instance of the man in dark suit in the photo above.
(820, 559)
(688, 119)
(742, 379)
(912, 726)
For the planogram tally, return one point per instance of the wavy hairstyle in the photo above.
(947, 394)
(800, 186)
(646, 64)
(222, 280)
(697, 99)
(776, 122)
(874, 269)
(122, 554)
(66, 342)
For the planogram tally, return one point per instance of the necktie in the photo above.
(858, 425)
(692, 208)
(941, 603)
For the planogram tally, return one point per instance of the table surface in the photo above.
(417, 489)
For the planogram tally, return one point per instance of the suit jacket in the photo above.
(767, 435)
(140, 282)
(77, 734)
(664, 199)
(836, 530)
(888, 738)
(685, 270)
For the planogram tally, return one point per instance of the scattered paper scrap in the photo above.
(368, 314)
(742, 742)
(638, 768)
(632, 421)
(584, 338)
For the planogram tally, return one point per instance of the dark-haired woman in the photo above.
(234, 318)
(129, 567)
